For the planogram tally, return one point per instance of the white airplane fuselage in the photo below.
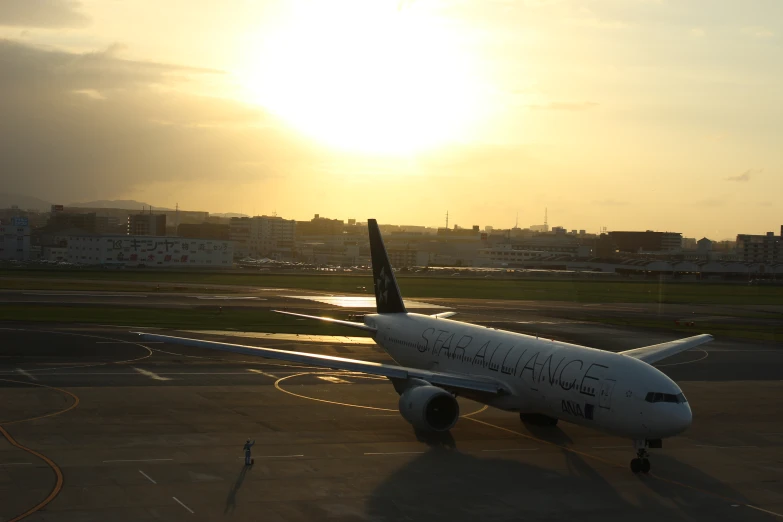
(586, 386)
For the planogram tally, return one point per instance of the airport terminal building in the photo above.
(150, 251)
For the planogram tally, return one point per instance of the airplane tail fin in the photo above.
(388, 298)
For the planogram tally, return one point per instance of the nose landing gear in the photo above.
(641, 463)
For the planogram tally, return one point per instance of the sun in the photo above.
(366, 76)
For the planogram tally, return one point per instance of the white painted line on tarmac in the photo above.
(29, 376)
(151, 375)
(127, 342)
(183, 505)
(253, 370)
(16, 464)
(272, 457)
(181, 354)
(132, 374)
(612, 447)
(722, 447)
(134, 460)
(334, 380)
(226, 297)
(779, 515)
(81, 294)
(511, 449)
(395, 453)
(147, 477)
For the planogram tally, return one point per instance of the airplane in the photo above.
(543, 380)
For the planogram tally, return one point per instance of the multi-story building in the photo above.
(147, 225)
(648, 241)
(120, 215)
(760, 248)
(321, 226)
(269, 236)
(90, 221)
(150, 251)
(14, 243)
(407, 257)
(501, 257)
(204, 231)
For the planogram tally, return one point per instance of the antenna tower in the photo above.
(447, 219)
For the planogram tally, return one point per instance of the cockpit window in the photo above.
(665, 397)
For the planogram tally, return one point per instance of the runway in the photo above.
(155, 432)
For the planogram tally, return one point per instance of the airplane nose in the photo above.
(681, 418)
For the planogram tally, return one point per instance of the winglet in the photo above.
(657, 352)
(388, 298)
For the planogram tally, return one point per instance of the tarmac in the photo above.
(96, 426)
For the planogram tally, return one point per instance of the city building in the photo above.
(120, 215)
(15, 242)
(204, 231)
(149, 251)
(503, 257)
(760, 248)
(147, 225)
(704, 248)
(648, 241)
(408, 257)
(263, 236)
(90, 222)
(320, 226)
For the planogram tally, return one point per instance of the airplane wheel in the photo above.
(636, 465)
(645, 466)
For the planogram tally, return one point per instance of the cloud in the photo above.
(609, 202)
(92, 126)
(564, 106)
(42, 13)
(698, 32)
(745, 176)
(711, 202)
(757, 31)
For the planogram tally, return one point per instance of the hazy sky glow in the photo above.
(633, 114)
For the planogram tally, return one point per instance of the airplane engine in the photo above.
(429, 408)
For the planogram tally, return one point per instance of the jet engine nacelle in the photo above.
(429, 408)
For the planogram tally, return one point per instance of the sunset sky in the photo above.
(629, 114)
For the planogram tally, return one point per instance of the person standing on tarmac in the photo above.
(247, 447)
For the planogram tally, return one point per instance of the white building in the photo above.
(269, 236)
(501, 256)
(14, 242)
(150, 251)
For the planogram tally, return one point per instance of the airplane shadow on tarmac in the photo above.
(697, 491)
(446, 484)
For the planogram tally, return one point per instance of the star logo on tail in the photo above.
(383, 283)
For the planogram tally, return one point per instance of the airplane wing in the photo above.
(350, 324)
(657, 352)
(448, 380)
(444, 315)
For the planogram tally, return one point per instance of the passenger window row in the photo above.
(665, 397)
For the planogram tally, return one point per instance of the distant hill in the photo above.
(227, 215)
(129, 204)
(23, 202)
